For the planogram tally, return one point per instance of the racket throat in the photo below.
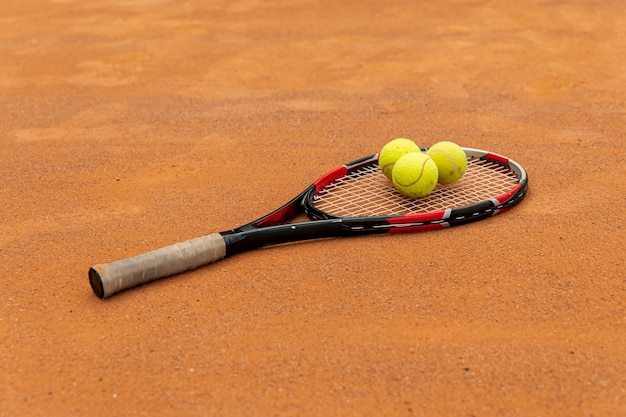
(244, 239)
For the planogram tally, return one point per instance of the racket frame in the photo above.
(274, 228)
(271, 228)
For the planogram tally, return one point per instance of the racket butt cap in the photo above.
(96, 282)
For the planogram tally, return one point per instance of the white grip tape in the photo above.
(170, 260)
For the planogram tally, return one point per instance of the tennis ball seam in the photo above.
(387, 166)
(451, 159)
(418, 178)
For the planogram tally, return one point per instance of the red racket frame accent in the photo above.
(330, 177)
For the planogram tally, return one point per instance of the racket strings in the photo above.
(366, 192)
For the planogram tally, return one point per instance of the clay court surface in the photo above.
(130, 125)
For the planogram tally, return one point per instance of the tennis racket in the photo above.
(352, 200)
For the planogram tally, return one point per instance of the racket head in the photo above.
(491, 184)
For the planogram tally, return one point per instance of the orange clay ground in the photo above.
(129, 125)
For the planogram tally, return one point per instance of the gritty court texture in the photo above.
(127, 125)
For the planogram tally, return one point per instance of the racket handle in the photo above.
(111, 278)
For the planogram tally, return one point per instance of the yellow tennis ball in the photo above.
(415, 175)
(392, 151)
(450, 159)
